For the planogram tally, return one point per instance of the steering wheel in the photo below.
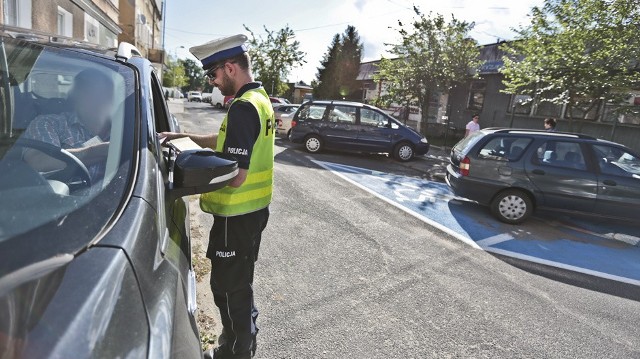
(74, 168)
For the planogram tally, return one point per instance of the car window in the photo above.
(312, 112)
(504, 148)
(70, 101)
(560, 154)
(373, 118)
(343, 114)
(616, 161)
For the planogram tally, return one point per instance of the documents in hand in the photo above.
(183, 144)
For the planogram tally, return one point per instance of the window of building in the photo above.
(548, 109)
(65, 23)
(476, 95)
(520, 104)
(91, 29)
(18, 13)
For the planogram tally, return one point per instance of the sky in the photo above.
(315, 22)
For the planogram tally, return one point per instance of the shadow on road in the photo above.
(565, 238)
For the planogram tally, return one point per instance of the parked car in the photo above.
(194, 96)
(284, 115)
(227, 101)
(95, 257)
(279, 101)
(206, 96)
(216, 99)
(353, 126)
(516, 171)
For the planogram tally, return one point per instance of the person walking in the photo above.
(472, 126)
(240, 210)
(550, 124)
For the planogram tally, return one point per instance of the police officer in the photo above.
(240, 210)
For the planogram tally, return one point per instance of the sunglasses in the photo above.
(211, 74)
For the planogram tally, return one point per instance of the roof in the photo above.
(367, 71)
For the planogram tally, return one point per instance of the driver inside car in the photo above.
(84, 132)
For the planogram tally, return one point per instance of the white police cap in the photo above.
(219, 49)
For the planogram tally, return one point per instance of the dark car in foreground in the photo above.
(95, 252)
(355, 127)
(516, 171)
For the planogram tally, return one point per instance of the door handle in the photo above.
(538, 172)
(610, 182)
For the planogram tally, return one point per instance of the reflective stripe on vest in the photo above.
(257, 190)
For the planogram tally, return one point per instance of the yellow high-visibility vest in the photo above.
(256, 192)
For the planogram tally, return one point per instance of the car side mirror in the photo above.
(201, 171)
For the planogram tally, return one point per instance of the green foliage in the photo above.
(336, 78)
(432, 57)
(194, 74)
(273, 57)
(578, 53)
(174, 75)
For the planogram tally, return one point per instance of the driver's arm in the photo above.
(89, 155)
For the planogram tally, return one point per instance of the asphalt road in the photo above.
(343, 274)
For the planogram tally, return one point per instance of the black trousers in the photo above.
(234, 243)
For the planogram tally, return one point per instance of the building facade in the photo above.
(483, 95)
(101, 22)
(142, 25)
(95, 21)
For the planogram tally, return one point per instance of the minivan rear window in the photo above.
(312, 112)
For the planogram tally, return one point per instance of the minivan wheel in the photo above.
(289, 135)
(313, 144)
(403, 152)
(512, 206)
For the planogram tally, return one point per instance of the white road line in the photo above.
(401, 207)
(498, 238)
(489, 241)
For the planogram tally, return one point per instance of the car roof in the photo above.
(342, 103)
(544, 133)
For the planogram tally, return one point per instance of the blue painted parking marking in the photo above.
(581, 246)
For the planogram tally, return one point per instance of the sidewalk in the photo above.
(433, 164)
(175, 105)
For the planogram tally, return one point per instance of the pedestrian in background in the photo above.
(473, 125)
(240, 210)
(550, 124)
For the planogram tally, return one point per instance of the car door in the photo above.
(375, 134)
(340, 130)
(618, 181)
(558, 169)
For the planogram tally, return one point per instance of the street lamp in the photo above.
(175, 51)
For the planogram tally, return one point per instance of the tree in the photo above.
(432, 57)
(273, 58)
(326, 83)
(349, 62)
(577, 53)
(174, 76)
(194, 74)
(340, 67)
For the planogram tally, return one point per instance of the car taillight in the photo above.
(293, 123)
(464, 166)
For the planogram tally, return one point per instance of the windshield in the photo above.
(67, 133)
